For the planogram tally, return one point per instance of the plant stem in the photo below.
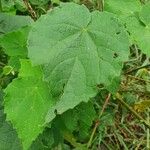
(97, 122)
(119, 98)
(105, 104)
(92, 135)
(69, 137)
(30, 9)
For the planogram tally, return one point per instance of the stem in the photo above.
(30, 9)
(105, 104)
(97, 122)
(119, 98)
(92, 135)
(69, 137)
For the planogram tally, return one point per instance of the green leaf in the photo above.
(8, 5)
(70, 119)
(145, 14)
(78, 53)
(8, 137)
(20, 5)
(9, 23)
(137, 25)
(81, 116)
(14, 62)
(27, 101)
(14, 43)
(7, 70)
(140, 32)
(122, 8)
(87, 116)
(44, 141)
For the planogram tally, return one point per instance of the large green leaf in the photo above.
(27, 101)
(79, 50)
(139, 28)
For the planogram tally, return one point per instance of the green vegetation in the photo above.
(74, 75)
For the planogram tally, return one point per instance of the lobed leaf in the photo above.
(27, 101)
(78, 54)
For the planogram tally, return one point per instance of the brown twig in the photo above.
(97, 121)
(105, 104)
(30, 9)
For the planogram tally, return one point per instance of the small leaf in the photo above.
(139, 32)
(7, 70)
(14, 43)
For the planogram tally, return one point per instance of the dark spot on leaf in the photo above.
(128, 32)
(115, 55)
(118, 32)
